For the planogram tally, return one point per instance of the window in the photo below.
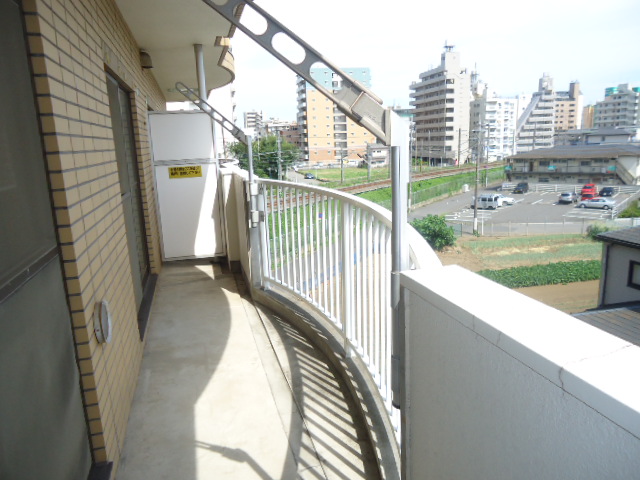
(633, 280)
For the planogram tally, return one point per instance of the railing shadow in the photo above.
(336, 432)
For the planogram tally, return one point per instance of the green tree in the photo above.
(435, 231)
(265, 156)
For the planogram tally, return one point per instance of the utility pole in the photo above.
(342, 166)
(475, 198)
(368, 156)
(459, 144)
(429, 149)
(410, 177)
(279, 155)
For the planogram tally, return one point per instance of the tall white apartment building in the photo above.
(329, 136)
(548, 112)
(253, 123)
(620, 108)
(492, 124)
(441, 100)
(535, 127)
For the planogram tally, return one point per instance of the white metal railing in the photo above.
(333, 250)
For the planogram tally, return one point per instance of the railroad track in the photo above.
(416, 177)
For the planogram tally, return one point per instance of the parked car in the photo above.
(589, 188)
(606, 192)
(568, 197)
(309, 175)
(504, 200)
(597, 202)
(587, 196)
(488, 200)
(522, 187)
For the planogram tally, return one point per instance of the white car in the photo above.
(503, 199)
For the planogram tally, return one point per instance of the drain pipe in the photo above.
(202, 92)
(202, 84)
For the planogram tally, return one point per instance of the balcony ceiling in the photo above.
(168, 29)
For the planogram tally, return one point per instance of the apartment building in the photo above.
(568, 109)
(588, 116)
(253, 123)
(441, 101)
(603, 164)
(620, 107)
(492, 123)
(329, 136)
(535, 127)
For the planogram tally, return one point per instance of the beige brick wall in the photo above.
(70, 42)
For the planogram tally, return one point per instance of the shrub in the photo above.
(596, 229)
(435, 231)
(630, 212)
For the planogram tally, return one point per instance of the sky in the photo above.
(510, 44)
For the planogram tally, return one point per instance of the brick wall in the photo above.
(71, 44)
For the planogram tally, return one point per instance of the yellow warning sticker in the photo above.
(185, 172)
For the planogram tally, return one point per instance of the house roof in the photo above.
(582, 151)
(610, 131)
(623, 322)
(629, 237)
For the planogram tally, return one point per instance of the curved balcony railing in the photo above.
(333, 250)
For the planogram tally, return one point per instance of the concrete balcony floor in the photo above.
(227, 390)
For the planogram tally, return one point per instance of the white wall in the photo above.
(615, 290)
(231, 212)
(501, 386)
(236, 215)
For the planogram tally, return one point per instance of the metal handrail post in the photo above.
(255, 234)
(347, 276)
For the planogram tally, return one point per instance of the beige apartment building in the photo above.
(328, 135)
(568, 109)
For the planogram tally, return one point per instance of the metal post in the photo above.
(399, 262)
(278, 140)
(346, 280)
(250, 157)
(255, 247)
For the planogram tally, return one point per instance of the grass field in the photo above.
(479, 253)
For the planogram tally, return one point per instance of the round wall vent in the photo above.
(102, 322)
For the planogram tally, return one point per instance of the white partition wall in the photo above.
(503, 387)
(186, 173)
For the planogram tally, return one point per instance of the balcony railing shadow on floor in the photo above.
(230, 391)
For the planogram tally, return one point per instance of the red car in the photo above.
(589, 188)
(587, 196)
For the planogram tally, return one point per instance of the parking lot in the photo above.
(532, 212)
